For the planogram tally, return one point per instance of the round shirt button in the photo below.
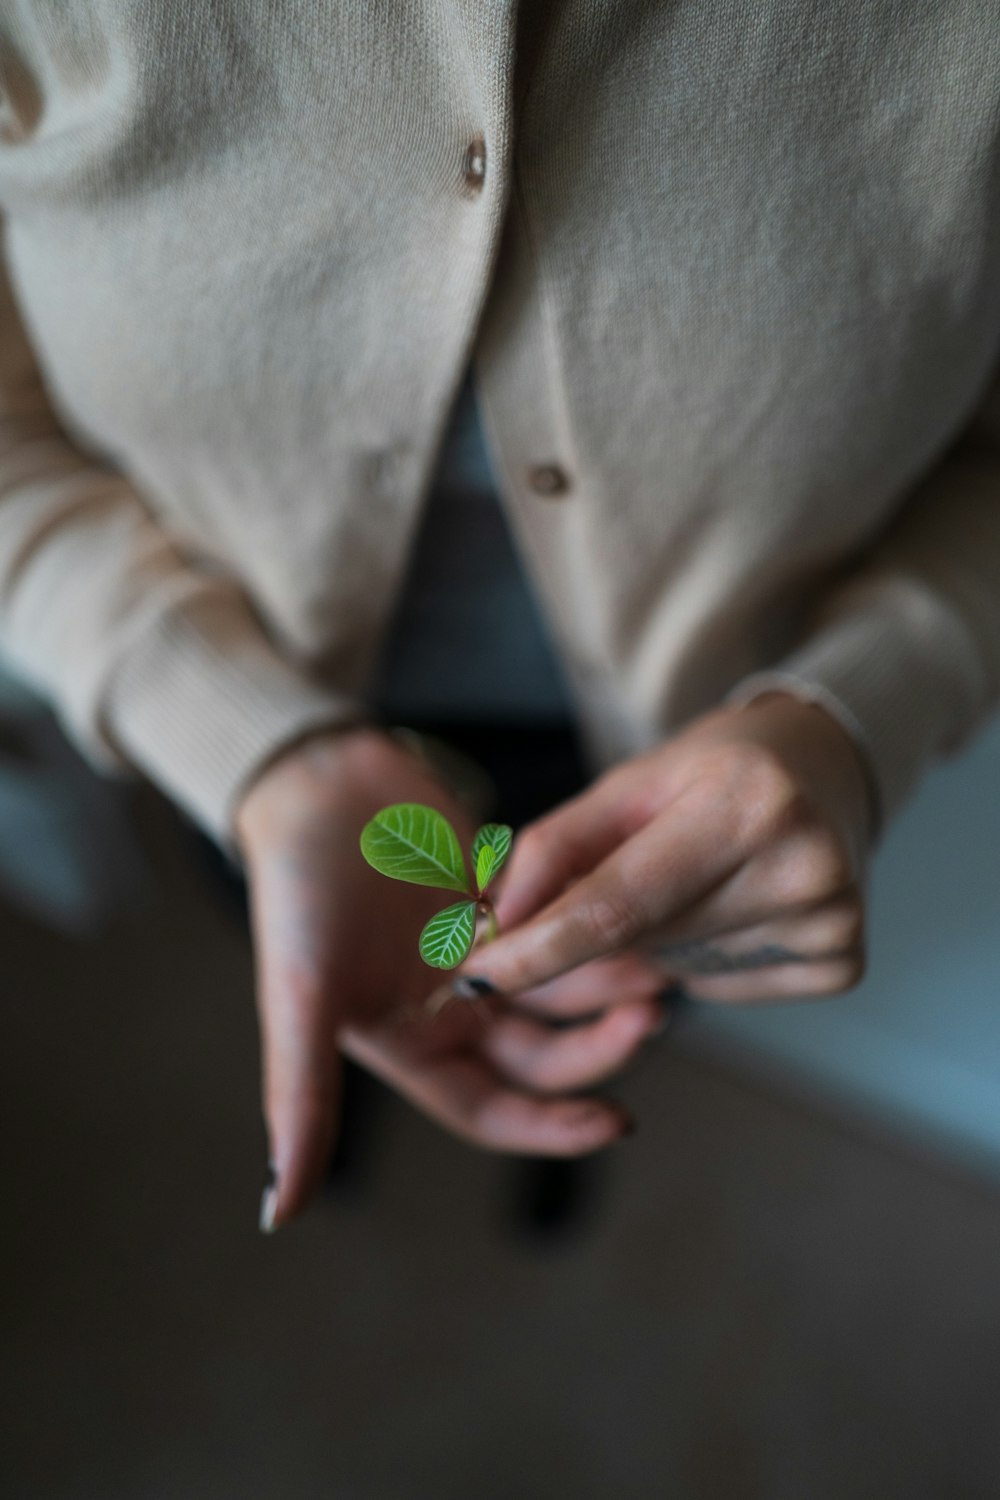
(548, 479)
(474, 166)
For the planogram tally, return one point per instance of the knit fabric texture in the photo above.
(727, 279)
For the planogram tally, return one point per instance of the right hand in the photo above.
(338, 970)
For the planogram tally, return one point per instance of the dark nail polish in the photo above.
(467, 988)
(676, 1002)
(672, 993)
(269, 1201)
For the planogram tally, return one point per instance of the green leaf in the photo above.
(485, 865)
(447, 937)
(496, 837)
(408, 841)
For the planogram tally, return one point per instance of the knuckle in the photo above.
(533, 845)
(613, 919)
(544, 849)
(770, 801)
(825, 867)
(634, 788)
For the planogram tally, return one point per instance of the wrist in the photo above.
(843, 762)
(294, 769)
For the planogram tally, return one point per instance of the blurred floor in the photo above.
(767, 1305)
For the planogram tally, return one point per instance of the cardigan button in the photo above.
(474, 169)
(548, 479)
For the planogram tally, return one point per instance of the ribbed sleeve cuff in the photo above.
(200, 701)
(898, 669)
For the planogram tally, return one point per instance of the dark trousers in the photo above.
(534, 768)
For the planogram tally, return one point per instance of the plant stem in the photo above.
(486, 909)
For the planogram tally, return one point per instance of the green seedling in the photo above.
(408, 841)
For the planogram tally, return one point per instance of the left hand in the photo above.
(736, 852)
(339, 971)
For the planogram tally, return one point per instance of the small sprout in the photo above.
(447, 937)
(485, 865)
(495, 836)
(408, 841)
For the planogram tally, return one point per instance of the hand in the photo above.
(338, 970)
(736, 851)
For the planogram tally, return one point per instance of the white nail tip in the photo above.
(268, 1209)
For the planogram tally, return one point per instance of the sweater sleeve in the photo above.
(153, 663)
(904, 647)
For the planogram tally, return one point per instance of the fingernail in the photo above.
(269, 1201)
(674, 998)
(467, 988)
(629, 1127)
(673, 991)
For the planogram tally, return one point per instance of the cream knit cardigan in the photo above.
(730, 276)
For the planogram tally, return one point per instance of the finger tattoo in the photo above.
(705, 958)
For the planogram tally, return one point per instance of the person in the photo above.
(723, 283)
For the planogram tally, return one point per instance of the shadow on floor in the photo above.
(765, 1305)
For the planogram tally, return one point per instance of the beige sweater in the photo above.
(730, 276)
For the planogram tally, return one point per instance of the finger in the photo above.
(801, 874)
(671, 862)
(463, 1093)
(783, 982)
(561, 846)
(832, 929)
(301, 1088)
(801, 878)
(301, 1066)
(597, 986)
(536, 1057)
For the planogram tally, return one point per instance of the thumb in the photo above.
(301, 1071)
(302, 1088)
